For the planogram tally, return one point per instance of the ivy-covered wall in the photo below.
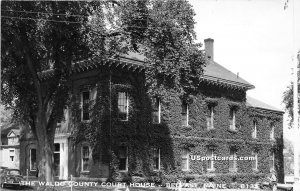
(106, 133)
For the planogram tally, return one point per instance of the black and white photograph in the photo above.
(150, 95)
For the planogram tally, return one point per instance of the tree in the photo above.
(41, 36)
(288, 96)
(35, 37)
(162, 31)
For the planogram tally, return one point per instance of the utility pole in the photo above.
(295, 100)
(296, 130)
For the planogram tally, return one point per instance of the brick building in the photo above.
(130, 136)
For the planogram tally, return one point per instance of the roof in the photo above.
(5, 130)
(252, 102)
(15, 131)
(215, 72)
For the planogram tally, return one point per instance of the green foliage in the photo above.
(41, 37)
(163, 32)
(50, 40)
(139, 134)
(288, 96)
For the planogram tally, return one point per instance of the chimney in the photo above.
(209, 48)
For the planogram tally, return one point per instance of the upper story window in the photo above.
(87, 96)
(255, 161)
(210, 117)
(85, 158)
(156, 158)
(272, 132)
(210, 162)
(123, 158)
(185, 114)
(156, 110)
(85, 107)
(233, 162)
(123, 106)
(185, 159)
(232, 116)
(254, 130)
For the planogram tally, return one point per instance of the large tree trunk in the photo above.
(45, 137)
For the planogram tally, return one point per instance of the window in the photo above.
(123, 158)
(272, 132)
(272, 161)
(185, 159)
(210, 117)
(56, 159)
(210, 162)
(156, 158)
(254, 132)
(11, 154)
(32, 156)
(255, 162)
(185, 114)
(156, 110)
(85, 157)
(123, 104)
(232, 118)
(85, 101)
(233, 161)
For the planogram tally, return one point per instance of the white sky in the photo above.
(254, 38)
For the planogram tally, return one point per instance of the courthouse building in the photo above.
(131, 136)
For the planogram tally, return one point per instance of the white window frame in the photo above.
(272, 133)
(158, 158)
(30, 164)
(81, 157)
(186, 113)
(211, 167)
(126, 162)
(254, 133)
(127, 104)
(273, 161)
(233, 125)
(156, 99)
(210, 118)
(186, 155)
(255, 154)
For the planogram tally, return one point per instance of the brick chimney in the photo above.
(209, 48)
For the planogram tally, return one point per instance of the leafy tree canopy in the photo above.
(162, 31)
(288, 96)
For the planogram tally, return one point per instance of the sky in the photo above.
(255, 39)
